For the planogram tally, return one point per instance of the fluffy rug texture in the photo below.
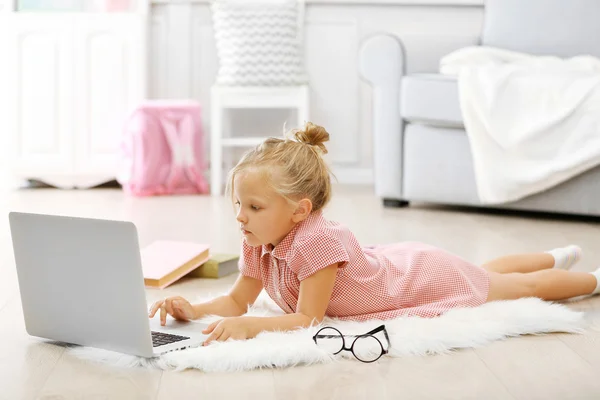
(409, 336)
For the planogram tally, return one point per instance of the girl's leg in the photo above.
(562, 258)
(520, 263)
(549, 284)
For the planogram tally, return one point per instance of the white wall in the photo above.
(184, 64)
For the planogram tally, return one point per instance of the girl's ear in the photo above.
(302, 211)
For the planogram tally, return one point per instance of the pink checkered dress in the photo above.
(375, 282)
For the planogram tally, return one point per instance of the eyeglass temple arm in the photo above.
(374, 331)
(379, 329)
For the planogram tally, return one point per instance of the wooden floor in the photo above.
(556, 366)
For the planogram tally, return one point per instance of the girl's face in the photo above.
(264, 215)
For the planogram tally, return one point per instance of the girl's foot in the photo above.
(566, 257)
(596, 273)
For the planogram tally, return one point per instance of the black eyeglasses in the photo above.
(366, 347)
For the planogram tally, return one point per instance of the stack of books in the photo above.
(164, 262)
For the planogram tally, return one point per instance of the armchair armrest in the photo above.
(382, 65)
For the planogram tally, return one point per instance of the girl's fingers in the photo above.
(163, 315)
(224, 337)
(169, 306)
(211, 327)
(214, 336)
(155, 308)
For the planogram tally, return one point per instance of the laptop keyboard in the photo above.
(160, 339)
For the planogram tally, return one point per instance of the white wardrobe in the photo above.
(68, 80)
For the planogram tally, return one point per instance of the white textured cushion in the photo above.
(258, 43)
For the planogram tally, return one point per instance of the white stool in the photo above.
(223, 97)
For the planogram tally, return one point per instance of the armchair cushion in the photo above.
(431, 99)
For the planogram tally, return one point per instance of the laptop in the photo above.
(81, 282)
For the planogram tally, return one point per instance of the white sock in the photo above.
(596, 273)
(566, 257)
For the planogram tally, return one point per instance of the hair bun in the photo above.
(314, 135)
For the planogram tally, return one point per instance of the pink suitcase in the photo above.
(162, 151)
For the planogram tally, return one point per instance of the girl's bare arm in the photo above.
(235, 303)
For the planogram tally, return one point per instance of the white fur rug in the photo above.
(459, 328)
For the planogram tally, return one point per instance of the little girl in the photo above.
(312, 267)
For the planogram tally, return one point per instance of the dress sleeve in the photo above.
(249, 263)
(317, 252)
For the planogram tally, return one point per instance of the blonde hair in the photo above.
(299, 168)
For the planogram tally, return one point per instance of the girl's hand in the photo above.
(237, 328)
(177, 307)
